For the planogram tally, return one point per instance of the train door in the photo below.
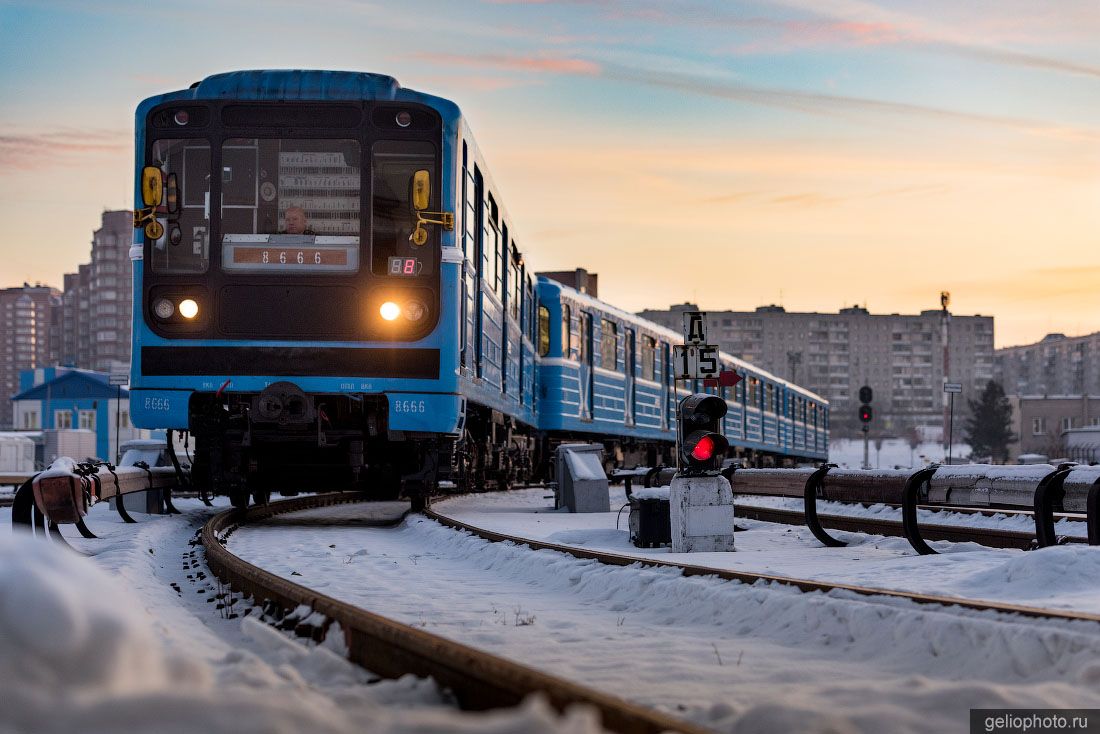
(468, 240)
(481, 274)
(586, 373)
(628, 372)
(668, 393)
(505, 307)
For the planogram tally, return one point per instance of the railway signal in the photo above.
(699, 429)
(865, 416)
(700, 499)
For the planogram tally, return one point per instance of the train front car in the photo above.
(296, 309)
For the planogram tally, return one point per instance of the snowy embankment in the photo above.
(735, 657)
(132, 640)
(892, 453)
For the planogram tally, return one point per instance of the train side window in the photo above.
(515, 285)
(190, 161)
(544, 331)
(586, 337)
(649, 358)
(609, 344)
(490, 250)
(566, 332)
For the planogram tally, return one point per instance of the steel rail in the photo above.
(617, 559)
(390, 649)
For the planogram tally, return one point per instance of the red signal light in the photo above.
(704, 449)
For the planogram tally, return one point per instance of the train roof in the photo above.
(303, 84)
(675, 338)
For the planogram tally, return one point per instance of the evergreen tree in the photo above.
(989, 427)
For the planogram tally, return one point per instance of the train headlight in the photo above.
(415, 310)
(389, 310)
(163, 309)
(189, 308)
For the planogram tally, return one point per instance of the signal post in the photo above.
(700, 498)
(865, 416)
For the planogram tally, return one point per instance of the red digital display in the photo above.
(405, 266)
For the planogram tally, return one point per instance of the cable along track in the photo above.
(478, 680)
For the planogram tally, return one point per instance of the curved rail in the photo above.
(616, 559)
(478, 679)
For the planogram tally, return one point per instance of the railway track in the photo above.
(806, 585)
(478, 680)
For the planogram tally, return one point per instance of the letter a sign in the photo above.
(695, 327)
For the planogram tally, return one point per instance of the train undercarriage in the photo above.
(282, 439)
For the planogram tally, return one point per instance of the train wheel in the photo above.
(238, 497)
(261, 496)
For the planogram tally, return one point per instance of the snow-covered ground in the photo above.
(893, 453)
(132, 640)
(736, 657)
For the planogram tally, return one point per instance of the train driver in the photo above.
(296, 222)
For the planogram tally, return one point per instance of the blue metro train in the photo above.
(329, 292)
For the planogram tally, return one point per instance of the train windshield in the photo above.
(185, 245)
(394, 249)
(290, 205)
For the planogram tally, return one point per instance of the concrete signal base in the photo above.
(702, 514)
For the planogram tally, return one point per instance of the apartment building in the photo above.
(1056, 365)
(30, 335)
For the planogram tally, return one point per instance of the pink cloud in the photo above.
(542, 64)
(35, 151)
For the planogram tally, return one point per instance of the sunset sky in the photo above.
(811, 153)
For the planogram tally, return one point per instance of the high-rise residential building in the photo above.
(1057, 365)
(98, 300)
(30, 336)
(112, 292)
(901, 357)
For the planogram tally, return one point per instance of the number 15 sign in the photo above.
(696, 361)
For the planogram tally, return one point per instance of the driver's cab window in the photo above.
(290, 205)
(184, 247)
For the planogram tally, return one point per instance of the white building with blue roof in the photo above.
(68, 398)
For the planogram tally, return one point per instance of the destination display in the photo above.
(273, 256)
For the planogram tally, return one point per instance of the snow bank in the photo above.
(66, 625)
(79, 651)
